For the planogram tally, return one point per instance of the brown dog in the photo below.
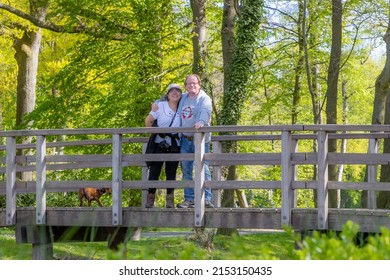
(92, 194)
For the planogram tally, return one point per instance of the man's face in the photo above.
(192, 85)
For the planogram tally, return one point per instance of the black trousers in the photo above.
(156, 166)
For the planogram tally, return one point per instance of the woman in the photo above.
(167, 115)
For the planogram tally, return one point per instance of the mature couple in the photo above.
(190, 109)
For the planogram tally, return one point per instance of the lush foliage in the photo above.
(347, 245)
(183, 245)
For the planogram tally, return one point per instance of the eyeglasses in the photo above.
(192, 84)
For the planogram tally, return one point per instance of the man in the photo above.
(196, 109)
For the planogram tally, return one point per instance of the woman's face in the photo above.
(174, 95)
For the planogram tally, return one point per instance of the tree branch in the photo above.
(40, 23)
(81, 28)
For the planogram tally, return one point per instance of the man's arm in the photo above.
(205, 113)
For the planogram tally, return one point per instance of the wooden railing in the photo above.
(41, 160)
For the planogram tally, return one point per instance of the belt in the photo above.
(191, 138)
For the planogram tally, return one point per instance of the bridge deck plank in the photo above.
(242, 218)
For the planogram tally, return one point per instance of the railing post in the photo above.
(11, 181)
(117, 179)
(322, 190)
(216, 175)
(372, 173)
(287, 171)
(41, 180)
(199, 179)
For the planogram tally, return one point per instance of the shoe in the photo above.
(150, 200)
(170, 201)
(208, 204)
(186, 204)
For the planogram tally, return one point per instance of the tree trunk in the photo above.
(312, 74)
(238, 60)
(384, 196)
(199, 43)
(332, 88)
(228, 21)
(381, 114)
(26, 55)
(27, 50)
(299, 66)
(199, 37)
(228, 46)
(341, 196)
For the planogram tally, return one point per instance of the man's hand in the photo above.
(154, 107)
(198, 125)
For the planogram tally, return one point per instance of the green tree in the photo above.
(237, 73)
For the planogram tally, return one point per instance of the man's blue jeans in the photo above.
(187, 146)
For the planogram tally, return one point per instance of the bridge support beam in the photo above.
(40, 238)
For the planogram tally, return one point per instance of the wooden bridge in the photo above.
(54, 152)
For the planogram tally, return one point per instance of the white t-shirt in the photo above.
(164, 116)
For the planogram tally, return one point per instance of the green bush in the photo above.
(345, 245)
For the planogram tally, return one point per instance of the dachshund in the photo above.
(92, 194)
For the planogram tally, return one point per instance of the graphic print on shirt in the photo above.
(188, 112)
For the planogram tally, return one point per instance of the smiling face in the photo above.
(192, 85)
(174, 95)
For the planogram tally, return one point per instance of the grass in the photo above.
(254, 246)
(205, 245)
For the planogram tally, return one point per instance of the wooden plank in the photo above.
(379, 186)
(82, 161)
(145, 176)
(76, 143)
(240, 218)
(66, 186)
(239, 184)
(322, 191)
(339, 127)
(41, 181)
(244, 159)
(358, 158)
(216, 138)
(117, 179)
(372, 172)
(295, 174)
(199, 179)
(287, 172)
(10, 181)
(216, 174)
(233, 128)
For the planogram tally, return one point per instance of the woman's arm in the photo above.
(149, 121)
